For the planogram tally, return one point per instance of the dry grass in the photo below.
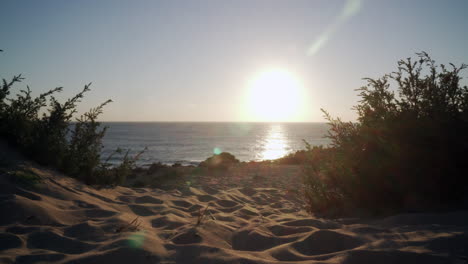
(133, 226)
(202, 215)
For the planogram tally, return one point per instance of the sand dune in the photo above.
(63, 221)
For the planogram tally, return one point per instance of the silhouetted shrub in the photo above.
(83, 155)
(407, 150)
(49, 137)
(222, 160)
(138, 184)
(155, 166)
(109, 174)
(295, 158)
(168, 178)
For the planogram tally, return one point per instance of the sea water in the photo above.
(190, 143)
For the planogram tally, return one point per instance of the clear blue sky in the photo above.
(191, 60)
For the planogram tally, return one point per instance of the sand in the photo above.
(63, 221)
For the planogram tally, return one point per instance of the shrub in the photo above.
(138, 184)
(295, 158)
(44, 138)
(222, 160)
(155, 167)
(83, 156)
(108, 174)
(407, 150)
(49, 138)
(168, 178)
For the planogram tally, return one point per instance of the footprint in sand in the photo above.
(99, 213)
(83, 204)
(39, 258)
(187, 237)
(253, 240)
(8, 241)
(281, 230)
(182, 203)
(167, 222)
(326, 241)
(226, 203)
(20, 230)
(51, 241)
(85, 232)
(127, 198)
(148, 200)
(141, 210)
(312, 222)
(206, 198)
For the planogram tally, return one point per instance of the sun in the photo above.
(274, 95)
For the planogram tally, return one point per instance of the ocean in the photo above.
(189, 143)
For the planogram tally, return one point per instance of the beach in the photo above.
(61, 220)
(234, 132)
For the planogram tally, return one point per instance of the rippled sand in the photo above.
(63, 221)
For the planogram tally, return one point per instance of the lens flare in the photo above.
(136, 239)
(217, 151)
(350, 9)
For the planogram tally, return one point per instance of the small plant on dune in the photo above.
(25, 177)
(203, 214)
(407, 150)
(109, 174)
(133, 226)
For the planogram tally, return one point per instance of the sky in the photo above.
(197, 60)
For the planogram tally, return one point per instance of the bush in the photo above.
(222, 161)
(108, 174)
(168, 178)
(155, 167)
(43, 138)
(407, 150)
(295, 158)
(51, 139)
(83, 156)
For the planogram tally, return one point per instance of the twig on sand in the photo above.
(201, 215)
(132, 226)
(212, 216)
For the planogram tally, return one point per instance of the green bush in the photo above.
(407, 151)
(49, 137)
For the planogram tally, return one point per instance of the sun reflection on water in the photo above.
(275, 144)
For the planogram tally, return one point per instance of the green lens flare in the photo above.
(217, 151)
(136, 239)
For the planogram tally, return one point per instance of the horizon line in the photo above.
(156, 121)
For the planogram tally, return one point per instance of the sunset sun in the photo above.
(274, 95)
